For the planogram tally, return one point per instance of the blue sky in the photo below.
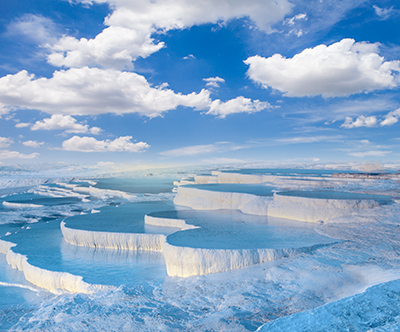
(185, 81)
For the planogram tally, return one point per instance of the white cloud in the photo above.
(91, 91)
(374, 153)
(133, 24)
(173, 14)
(384, 13)
(361, 121)
(188, 57)
(372, 121)
(37, 28)
(6, 154)
(33, 144)
(201, 149)
(213, 81)
(237, 105)
(22, 125)
(64, 122)
(293, 20)
(356, 107)
(341, 69)
(5, 142)
(297, 32)
(115, 47)
(391, 118)
(90, 144)
(4, 110)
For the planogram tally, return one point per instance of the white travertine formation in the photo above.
(5, 246)
(200, 199)
(186, 262)
(98, 193)
(50, 280)
(201, 179)
(244, 178)
(110, 240)
(289, 207)
(57, 192)
(167, 222)
(316, 209)
(282, 181)
(11, 205)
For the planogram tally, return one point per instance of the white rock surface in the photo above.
(110, 240)
(50, 280)
(186, 262)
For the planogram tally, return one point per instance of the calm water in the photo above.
(254, 189)
(290, 171)
(337, 195)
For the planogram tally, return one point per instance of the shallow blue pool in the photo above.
(254, 189)
(45, 248)
(150, 185)
(30, 198)
(231, 229)
(335, 195)
(124, 217)
(290, 171)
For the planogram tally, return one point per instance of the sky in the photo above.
(199, 81)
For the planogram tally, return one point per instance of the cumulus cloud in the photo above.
(116, 47)
(5, 142)
(91, 91)
(33, 144)
(201, 149)
(90, 144)
(341, 69)
(361, 121)
(6, 154)
(237, 105)
(132, 26)
(391, 118)
(64, 122)
(213, 81)
(372, 121)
